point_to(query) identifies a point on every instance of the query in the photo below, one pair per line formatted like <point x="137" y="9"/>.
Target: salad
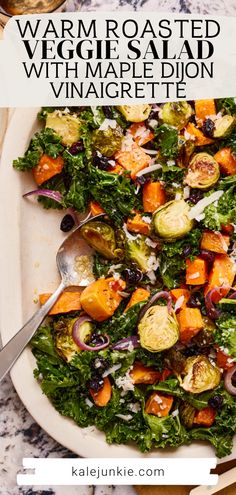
<point x="146" y="352"/>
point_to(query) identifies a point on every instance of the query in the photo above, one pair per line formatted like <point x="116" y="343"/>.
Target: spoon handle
<point x="12" y="350"/>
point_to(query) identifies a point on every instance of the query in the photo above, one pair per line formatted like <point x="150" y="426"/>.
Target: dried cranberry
<point x="96" y="383"/>
<point x="141" y="180"/>
<point x="100" y="365"/>
<point x="208" y="256"/>
<point x="76" y="148"/>
<point x="208" y="127"/>
<point x="216" y="401"/>
<point x="107" y="112"/>
<point x="152" y="117"/>
<point x="67" y="223"/>
<point x="101" y="161"/>
<point x="193" y="301"/>
<point x="195" y="196"/>
<point x="151" y="145"/>
<point x="132" y="275"/>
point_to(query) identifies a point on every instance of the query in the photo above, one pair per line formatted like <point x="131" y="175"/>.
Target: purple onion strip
<point x="228" y="380"/>
<point x="212" y="311"/>
<point x="77" y="337"/>
<point x="48" y="193"/>
<point x="125" y="344"/>
<point x="160" y="295"/>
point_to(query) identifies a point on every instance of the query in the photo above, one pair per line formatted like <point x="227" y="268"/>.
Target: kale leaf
<point x="191" y="240"/>
<point x="225" y="334"/>
<point x="45" y="141"/>
<point x="167" y="140"/>
<point x="222" y="213"/>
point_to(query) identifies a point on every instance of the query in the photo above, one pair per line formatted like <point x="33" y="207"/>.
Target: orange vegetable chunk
<point x="223" y="360"/>
<point x="101" y="298"/>
<point x="222" y="275"/>
<point x="190" y="323"/>
<point x="177" y="293"/>
<point x="159" y="404"/>
<point x="153" y="196"/>
<point x="215" y="241"/>
<point x="138" y="295"/>
<point x="226" y="160"/>
<point x="199" y="138"/>
<point x="95" y="208"/>
<point x="138" y="225"/>
<point x="196" y="271"/>
<point x="205" y="417"/>
<point x="204" y="109"/>
<point x="103" y="396"/>
<point x="144" y="374"/>
<point x="47" y="168"/>
<point x="67" y="301"/>
<point x="141" y="133"/>
<point x="134" y="159"/>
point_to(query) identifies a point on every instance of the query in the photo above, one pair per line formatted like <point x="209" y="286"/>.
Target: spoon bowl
<point x="74" y="261"/>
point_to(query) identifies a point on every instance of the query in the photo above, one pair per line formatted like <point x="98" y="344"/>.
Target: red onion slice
<point x="48" y="193"/>
<point x="233" y="296"/>
<point x="212" y="311"/>
<point x="125" y="344"/>
<point x="228" y="380"/>
<point x="160" y="295"/>
<point x="77" y="336"/>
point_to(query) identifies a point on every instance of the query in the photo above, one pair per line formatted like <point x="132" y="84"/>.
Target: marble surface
<point x="20" y="436"/>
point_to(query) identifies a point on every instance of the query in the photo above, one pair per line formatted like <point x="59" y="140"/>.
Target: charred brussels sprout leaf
<point x="171" y="221"/>
<point x="63" y="340"/>
<point x="187" y="413"/>
<point x="158" y="329"/>
<point x="224" y="126"/>
<point x="135" y="113"/>
<point x="199" y="375"/>
<point x="176" y="114"/>
<point x="137" y="250"/>
<point x="101" y="237"/>
<point x="203" y="171"/>
<point x="107" y="141"/>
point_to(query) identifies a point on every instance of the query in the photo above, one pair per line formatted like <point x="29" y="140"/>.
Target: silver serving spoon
<point x="73" y="247"/>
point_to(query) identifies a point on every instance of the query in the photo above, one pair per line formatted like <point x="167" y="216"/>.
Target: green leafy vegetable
<point x="167" y="141"/>
<point x="225" y="334"/>
<point x="45" y="141"/>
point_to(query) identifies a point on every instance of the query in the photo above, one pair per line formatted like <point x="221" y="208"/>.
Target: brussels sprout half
<point x="200" y="375"/>
<point x="158" y="329"/>
<point x="135" y="113"/>
<point x="101" y="237"/>
<point x="107" y="141"/>
<point x="176" y="113"/>
<point x="171" y="221"/>
<point x="63" y="340"/>
<point x="65" y="125"/>
<point x="203" y="171"/>
<point x="224" y="126"/>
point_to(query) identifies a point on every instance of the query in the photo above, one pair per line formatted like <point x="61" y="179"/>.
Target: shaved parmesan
<point x="108" y="123"/>
<point x="148" y="170"/>
<point x="179" y="303"/>
<point x="111" y="370"/>
<point x="125" y="417"/>
<point x="198" y="209"/>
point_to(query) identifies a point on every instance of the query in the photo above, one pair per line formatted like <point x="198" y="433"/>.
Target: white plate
<point x="30" y="238"/>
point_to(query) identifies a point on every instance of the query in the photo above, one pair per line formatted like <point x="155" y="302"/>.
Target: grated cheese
<point x="194" y="275"/>
<point x="149" y="169"/>
<point x="125" y="417"/>
<point x="108" y="123"/>
<point x="203" y="203"/>
<point x="178" y="303"/>
<point x="150" y="243"/>
<point x="111" y="370"/>
<point x="88" y="402"/>
<point x="125" y="382"/>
